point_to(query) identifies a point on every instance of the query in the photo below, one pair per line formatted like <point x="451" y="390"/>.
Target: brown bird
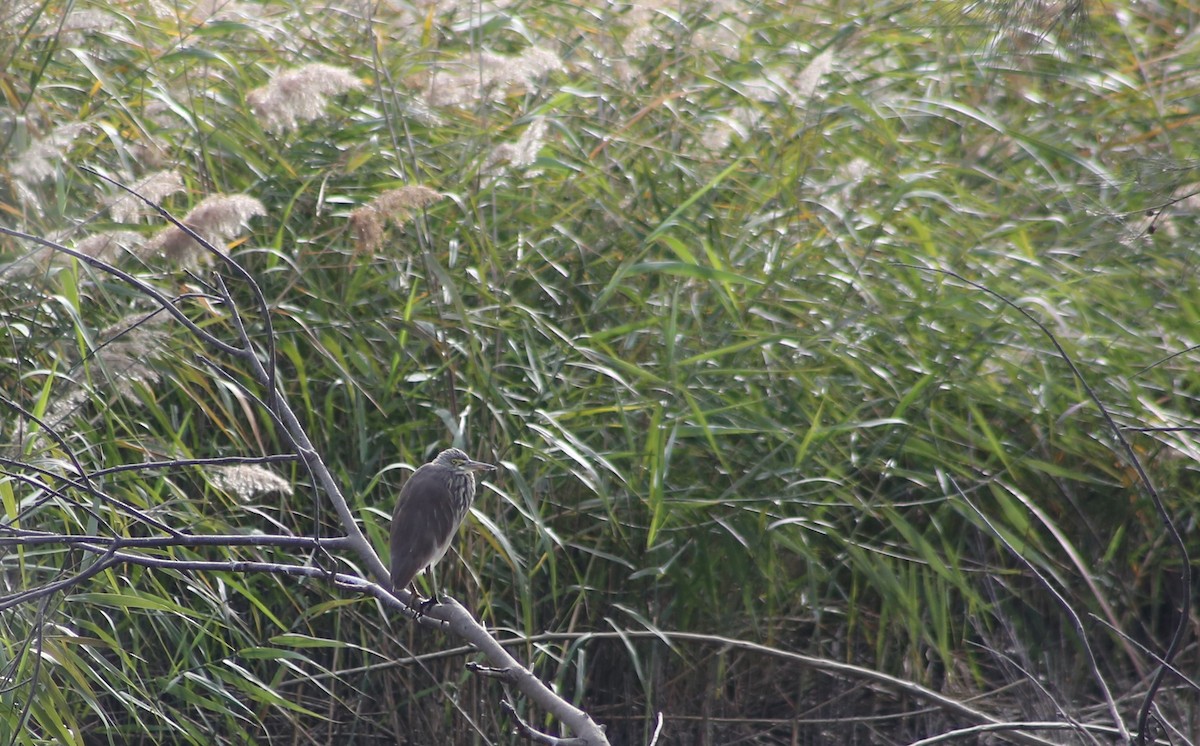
<point x="432" y="505"/>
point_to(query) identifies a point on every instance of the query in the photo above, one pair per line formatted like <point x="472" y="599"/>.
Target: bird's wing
<point x="422" y="526"/>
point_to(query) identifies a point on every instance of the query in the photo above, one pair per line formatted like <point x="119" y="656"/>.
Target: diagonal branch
<point x="262" y="369"/>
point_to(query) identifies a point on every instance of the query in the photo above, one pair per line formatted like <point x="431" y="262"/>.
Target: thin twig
<point x="142" y="286"/>
<point x="965" y="734"/>
<point x="83" y="484"/>
<point x="106" y="560"/>
<point x="230" y="262"/>
<point x="179" y="463"/>
<point x="264" y="372"/>
<point x="525" y="730"/>
<point x="24" y="538"/>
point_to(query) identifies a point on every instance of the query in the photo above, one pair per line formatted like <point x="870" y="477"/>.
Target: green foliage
<point x="683" y="284"/>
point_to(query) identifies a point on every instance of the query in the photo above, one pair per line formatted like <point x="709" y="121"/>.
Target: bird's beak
<point x="479" y="466"/>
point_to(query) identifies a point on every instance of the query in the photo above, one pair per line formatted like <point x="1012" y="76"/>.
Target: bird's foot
<point x="426" y="604"/>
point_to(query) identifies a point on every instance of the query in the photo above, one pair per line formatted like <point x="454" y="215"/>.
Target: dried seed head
<point x="108" y="247"/>
<point x="299" y="95"/>
<point x="523" y="152"/>
<point x="247" y="481"/>
<point x="492" y="74"/>
<point x="216" y="219"/>
<point x="37" y="162"/>
<point x="395" y="206"/>
<point x="154" y="187"/>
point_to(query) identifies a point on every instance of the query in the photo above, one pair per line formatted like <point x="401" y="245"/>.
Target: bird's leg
<point x="424" y="605"/>
<point x="433" y="599"/>
<point x="433" y="586"/>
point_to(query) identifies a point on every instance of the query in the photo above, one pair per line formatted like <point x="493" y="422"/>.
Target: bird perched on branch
<point x="432" y="504"/>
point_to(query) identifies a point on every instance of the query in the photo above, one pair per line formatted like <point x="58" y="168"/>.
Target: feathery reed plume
<point x="490" y="74"/>
<point x="127" y="345"/>
<point x="723" y="36"/>
<point x="247" y="481"/>
<point x="216" y="219"/>
<point x="775" y="86"/>
<point x="154" y="187"/>
<point x="107" y="247"/>
<point x="521" y="153"/>
<point x="299" y="95"/>
<point x="395" y="206"/>
<point x="804" y="85"/>
<point x="845" y="180"/>
<point x="120" y="361"/>
<point x="71" y="30"/>
<point x="209" y="11"/>
<point x="741" y="121"/>
<point x="15" y="14"/>
<point x="38" y="161"/>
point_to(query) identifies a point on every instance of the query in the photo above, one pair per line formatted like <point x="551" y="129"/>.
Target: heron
<point x="432" y="505"/>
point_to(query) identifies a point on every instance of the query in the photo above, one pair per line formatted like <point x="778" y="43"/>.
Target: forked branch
<point x="259" y="361"/>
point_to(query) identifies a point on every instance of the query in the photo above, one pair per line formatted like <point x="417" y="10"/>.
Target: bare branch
<point x="233" y="265"/>
<point x="106" y="560"/>
<point x="658" y="726"/>
<point x="168" y="304"/>
<point x="960" y="734"/>
<point x="12" y="537"/>
<point x="262" y="369"/>
<point x="525" y="730"/>
<point x="85" y="486"/>
<point x="183" y="462"/>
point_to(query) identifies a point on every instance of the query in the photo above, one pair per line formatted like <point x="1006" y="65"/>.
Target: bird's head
<point x="459" y="461"/>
